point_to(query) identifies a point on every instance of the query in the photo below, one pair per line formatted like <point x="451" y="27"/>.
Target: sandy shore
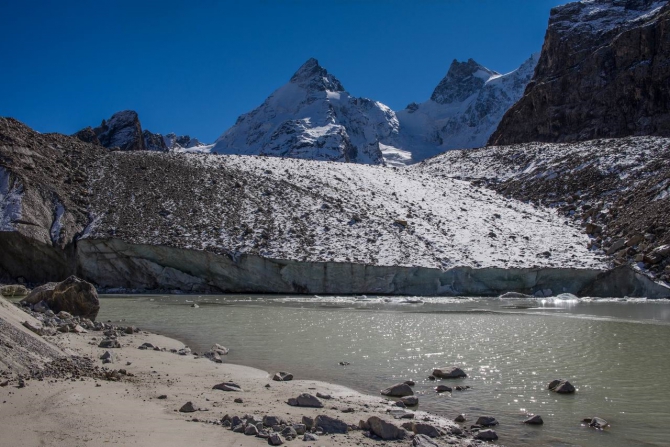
<point x="96" y="412"/>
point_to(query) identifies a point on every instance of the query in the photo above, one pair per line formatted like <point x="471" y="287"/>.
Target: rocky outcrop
<point x="154" y="142"/>
<point x="604" y="71"/>
<point x="123" y="130"/>
<point x="87" y="135"/>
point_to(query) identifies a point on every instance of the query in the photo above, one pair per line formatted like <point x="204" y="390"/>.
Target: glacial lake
<point x="615" y="352"/>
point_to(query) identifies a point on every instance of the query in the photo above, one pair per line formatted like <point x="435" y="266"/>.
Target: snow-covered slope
<point x="463" y="111"/>
<point x="312" y="117"/>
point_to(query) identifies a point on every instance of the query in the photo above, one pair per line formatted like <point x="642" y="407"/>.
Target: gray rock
<point x="146" y="346"/>
<point x="107" y="356"/>
<point x="306" y="400"/>
<point x="227" y="386"/>
<point x="14" y="290"/>
<point x="487" y="435"/>
<point x="410" y="401"/>
<point x="282" y="376"/>
<point x="487" y="421"/>
<point x="239" y="428"/>
<point x="423" y="441"/>
<point x="324" y="396"/>
<point x="330" y="425"/>
<point x="409" y="382"/>
<point x="561" y="386"/>
<point x="289" y="431"/>
<point x="308" y="421"/>
<point x="443" y="389"/>
<point x="188" y="407"/>
<point x="109" y="343"/>
<point x="449" y="372"/>
<point x="41" y="307"/>
<point x="385" y="430"/>
<point x="220" y="350"/>
<point x="270" y="421"/>
<point x="73" y="295"/>
<point x="33" y="327"/>
<point x="398" y="390"/>
<point x="251" y="430"/>
<point x="300" y="428"/>
<point x="599" y="423"/>
<point x="275" y="439"/>
<point x="534" y="420"/>
<point x="460" y="418"/>
<point x="420" y="428"/>
<point x="310" y="437"/>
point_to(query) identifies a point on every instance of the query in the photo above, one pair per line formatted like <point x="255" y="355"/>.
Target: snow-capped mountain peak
<point x="312" y="76"/>
<point x="312" y="117"/>
<point x="462" y="80"/>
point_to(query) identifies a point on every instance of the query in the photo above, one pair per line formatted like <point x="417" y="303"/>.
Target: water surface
<point x="613" y="351"/>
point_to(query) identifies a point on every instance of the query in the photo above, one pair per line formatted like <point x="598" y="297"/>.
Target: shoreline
<point x="82" y="410"/>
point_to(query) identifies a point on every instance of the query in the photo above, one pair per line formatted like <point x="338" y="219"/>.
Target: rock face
<point x="312" y="117"/>
<point x="74" y="296"/>
<point x="145" y="220"/>
<point x="153" y="142"/>
<point x="124" y="131"/>
<point x="464" y="109"/>
<point x="603" y="72"/>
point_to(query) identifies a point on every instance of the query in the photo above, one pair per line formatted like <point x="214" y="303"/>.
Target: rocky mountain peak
<point x="313" y="76"/>
<point x="122" y="130"/>
<point x="462" y="80"/>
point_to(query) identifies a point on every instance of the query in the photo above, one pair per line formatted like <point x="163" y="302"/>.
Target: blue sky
<point x="193" y="67"/>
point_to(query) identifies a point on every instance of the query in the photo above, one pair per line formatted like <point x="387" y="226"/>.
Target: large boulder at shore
<point x="449" y="372"/>
<point x="330" y="425"/>
<point x="74" y="296"/>
<point x="398" y="390"/>
<point x="305" y="400"/>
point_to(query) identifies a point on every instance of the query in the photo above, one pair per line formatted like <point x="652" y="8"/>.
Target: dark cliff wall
<point x="604" y="72"/>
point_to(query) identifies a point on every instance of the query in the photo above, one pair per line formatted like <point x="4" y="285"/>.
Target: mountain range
<point x="314" y="117"/>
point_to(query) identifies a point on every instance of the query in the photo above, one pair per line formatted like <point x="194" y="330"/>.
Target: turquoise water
<point x="615" y="352"/>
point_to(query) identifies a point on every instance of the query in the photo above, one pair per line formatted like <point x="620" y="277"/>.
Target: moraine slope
<point x="206" y="223"/>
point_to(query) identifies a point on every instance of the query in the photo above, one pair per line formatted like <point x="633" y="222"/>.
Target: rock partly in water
<point x="410" y="401"/>
<point x="460" y="418"/>
<point x="534" y="420"/>
<point x="561" y="386"/>
<point x="597" y="422"/>
<point x="449" y="372"/>
<point x="487" y="421"/>
<point x="420" y="428"/>
<point x="443" y="389"/>
<point x="398" y="390"/>
<point x="487" y="435"/>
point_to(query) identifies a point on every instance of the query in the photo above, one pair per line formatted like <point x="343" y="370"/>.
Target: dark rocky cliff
<point x="604" y="71"/>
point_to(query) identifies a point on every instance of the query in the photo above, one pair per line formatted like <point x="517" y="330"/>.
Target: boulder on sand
<point x="73" y="295"/>
<point x="385" y="430"/>
<point x="305" y="400"/>
<point x="330" y="425"/>
<point x="282" y="376"/>
<point x="398" y="390"/>
<point x="227" y="386"/>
